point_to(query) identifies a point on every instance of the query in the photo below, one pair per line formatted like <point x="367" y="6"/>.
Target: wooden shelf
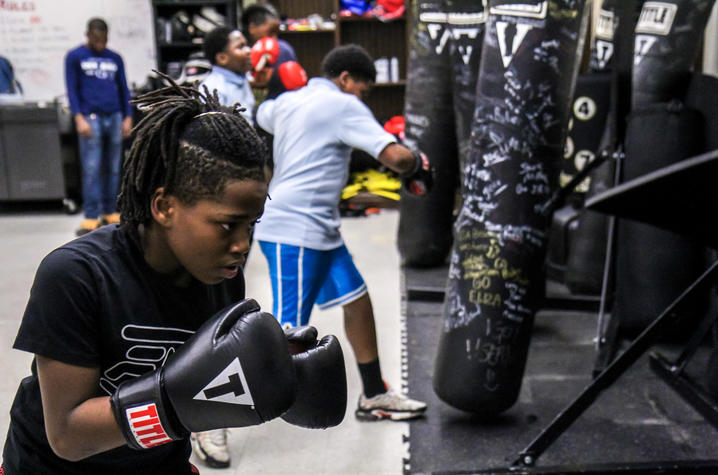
<point x="351" y="19"/>
<point x="400" y="83"/>
<point x="310" y="49"/>
<point x="175" y="52"/>
<point x="297" y="32"/>
<point x="382" y="39"/>
<point x="304" y="8"/>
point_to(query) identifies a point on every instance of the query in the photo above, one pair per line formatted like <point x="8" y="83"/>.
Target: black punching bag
<point x="668" y="39"/>
<point x="587" y="252"/>
<point x="654" y="265"/>
<point x="602" y="43"/>
<point x="529" y="62"/>
<point x="444" y="48"/>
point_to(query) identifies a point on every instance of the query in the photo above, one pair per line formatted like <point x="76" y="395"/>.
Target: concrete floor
<point x="276" y="447"/>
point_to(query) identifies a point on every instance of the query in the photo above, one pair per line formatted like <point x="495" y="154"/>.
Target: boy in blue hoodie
<point x="100" y="103"/>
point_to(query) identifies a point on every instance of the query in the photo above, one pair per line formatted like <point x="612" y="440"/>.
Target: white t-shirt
<point x="315" y="129"/>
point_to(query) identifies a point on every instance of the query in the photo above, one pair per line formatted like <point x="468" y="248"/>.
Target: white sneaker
<point x="211" y="447"/>
<point x="388" y="405"/>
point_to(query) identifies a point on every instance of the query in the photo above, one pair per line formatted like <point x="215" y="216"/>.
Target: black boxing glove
<point x="235" y="371"/>
<point x="420" y="179"/>
<point x="321" y="379"/>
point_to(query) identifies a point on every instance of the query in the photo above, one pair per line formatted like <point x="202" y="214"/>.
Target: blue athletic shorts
<point x="302" y="277"/>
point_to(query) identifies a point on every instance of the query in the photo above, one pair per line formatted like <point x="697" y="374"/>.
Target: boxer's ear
<point x="162" y="207"/>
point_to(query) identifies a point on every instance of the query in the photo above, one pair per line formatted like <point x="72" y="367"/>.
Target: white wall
<point x="35" y="35"/>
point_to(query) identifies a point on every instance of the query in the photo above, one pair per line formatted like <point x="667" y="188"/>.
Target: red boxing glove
<point x="264" y="52"/>
<point x="395" y="126"/>
<point x="292" y="75"/>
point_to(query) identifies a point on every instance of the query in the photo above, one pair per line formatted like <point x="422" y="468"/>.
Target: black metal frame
<point x="606" y="326"/>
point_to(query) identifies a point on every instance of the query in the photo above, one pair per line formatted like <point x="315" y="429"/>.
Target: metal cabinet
<point x="30" y="159"/>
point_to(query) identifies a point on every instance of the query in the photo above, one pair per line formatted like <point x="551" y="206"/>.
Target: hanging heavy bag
<point x="528" y="69"/>
<point x="592" y="98"/>
<point x="445" y="44"/>
<point x="588" y="119"/>
<point x="589" y="111"/>
<point x="611" y="58"/>
<point x="701" y="96"/>
<point x="602" y="42"/>
<point x="585" y="254"/>
<point x="668" y="38"/>
<point x="653" y="265"/>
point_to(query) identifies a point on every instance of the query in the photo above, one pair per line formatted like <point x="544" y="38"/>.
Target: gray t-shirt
<point x="315" y="129"/>
<point x="231" y="88"/>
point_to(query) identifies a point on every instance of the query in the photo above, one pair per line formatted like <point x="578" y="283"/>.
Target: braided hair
<point x="189" y="144"/>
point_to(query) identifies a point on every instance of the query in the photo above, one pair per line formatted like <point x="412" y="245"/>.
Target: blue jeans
<point x="101" y="158"/>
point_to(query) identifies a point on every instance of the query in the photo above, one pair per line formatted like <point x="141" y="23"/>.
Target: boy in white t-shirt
<point x="315" y="129"/>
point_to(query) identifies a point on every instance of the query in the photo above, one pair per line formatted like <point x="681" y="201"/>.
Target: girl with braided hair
<point x="116" y="303"/>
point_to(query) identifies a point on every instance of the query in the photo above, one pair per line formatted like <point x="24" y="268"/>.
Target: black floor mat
<point x="638" y="419"/>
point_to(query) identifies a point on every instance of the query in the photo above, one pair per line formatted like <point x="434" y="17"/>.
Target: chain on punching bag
<point x="444" y="50"/>
<point x="529" y="62"/>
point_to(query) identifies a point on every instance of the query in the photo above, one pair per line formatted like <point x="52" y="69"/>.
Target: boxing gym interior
<point x="553" y="298"/>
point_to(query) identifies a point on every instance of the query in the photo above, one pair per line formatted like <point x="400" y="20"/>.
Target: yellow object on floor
<point x="372" y="181"/>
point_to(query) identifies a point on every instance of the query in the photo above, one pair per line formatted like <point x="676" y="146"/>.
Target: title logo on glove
<point x="229" y="386"/>
<point x="146" y="426"/>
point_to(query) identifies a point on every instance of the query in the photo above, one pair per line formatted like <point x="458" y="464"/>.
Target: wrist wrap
<point x="143" y="414"/>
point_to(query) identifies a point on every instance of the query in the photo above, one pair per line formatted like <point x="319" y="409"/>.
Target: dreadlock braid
<point x="189" y="144"/>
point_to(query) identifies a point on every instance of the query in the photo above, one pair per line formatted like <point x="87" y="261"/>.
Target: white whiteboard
<point x="35" y="35"/>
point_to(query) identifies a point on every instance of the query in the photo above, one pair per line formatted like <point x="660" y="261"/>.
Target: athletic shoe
<point x="388" y="405"/>
<point x="211" y="447"/>
<point x="87" y="225"/>
<point x="112" y="218"/>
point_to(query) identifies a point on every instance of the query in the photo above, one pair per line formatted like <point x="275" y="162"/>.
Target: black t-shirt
<point x="95" y="302"/>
